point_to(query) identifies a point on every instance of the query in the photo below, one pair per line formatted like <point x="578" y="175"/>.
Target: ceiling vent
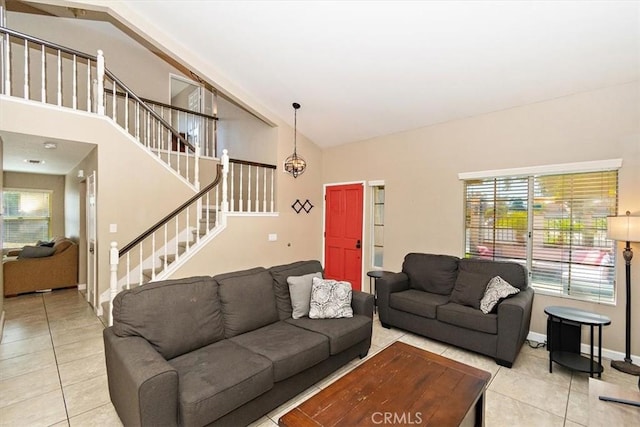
<point x="34" y="161"/>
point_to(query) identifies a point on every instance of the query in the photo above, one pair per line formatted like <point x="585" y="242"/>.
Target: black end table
<point x="373" y="276"/>
<point x="558" y="353"/>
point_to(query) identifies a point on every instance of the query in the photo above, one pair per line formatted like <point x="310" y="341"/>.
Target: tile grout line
<point x="64" y="400"/>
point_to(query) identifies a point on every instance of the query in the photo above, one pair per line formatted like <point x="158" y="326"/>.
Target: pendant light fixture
<point x="294" y="164"/>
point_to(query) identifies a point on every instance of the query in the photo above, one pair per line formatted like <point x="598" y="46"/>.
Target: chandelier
<point x="295" y="164"/>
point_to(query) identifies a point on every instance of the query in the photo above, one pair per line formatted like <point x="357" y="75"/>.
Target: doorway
<point x="343" y="233"/>
<point x="92" y="263"/>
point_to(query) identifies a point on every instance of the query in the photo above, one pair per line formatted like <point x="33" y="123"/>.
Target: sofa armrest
<point x="514" y="319"/>
<point x="385" y="286"/>
<point x="362" y="303"/>
<point x="143" y="386"/>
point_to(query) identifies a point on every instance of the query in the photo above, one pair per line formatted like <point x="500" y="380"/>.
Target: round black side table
<point x="571" y="358"/>
<point x="373" y="276"/>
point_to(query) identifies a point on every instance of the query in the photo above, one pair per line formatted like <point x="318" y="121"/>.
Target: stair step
<point x="148" y="272"/>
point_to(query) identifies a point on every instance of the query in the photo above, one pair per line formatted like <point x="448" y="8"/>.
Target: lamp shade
<point x="625" y="228"/>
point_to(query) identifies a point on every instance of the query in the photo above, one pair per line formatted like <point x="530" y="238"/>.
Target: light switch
<point x="273" y="237"/>
<point x="113" y="228"/>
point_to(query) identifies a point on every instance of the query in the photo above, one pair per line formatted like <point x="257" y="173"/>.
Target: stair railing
<point x="252" y="187"/>
<point x="61" y="76"/>
<point x="171" y="238"/>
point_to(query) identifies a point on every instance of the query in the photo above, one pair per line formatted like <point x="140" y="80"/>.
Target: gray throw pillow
<point x="469" y="288"/>
<point x="330" y="299"/>
<point x="300" y="291"/>
<point x="36" y="252"/>
<point x="497" y="289"/>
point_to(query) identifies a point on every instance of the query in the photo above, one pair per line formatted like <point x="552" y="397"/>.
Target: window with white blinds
<point x="27" y="217"/>
<point x="556" y="225"/>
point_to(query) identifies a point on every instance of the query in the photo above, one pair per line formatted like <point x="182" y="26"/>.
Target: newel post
<point x="100" y="78"/>
<point x="225" y="172"/>
<point x="114" y="258"/>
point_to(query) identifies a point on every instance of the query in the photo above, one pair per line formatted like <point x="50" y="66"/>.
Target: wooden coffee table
<point x="401" y="385"/>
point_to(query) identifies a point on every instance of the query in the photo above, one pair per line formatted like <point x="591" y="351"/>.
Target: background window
<point x="27" y="217"/>
<point x="554" y="224"/>
<point x="377" y="248"/>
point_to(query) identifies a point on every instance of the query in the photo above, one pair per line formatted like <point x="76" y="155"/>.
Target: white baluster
<point x="59" y="78"/>
<point x="26" y="70"/>
<point x="196" y="167"/>
<point x="128" y="273"/>
<point x="166" y="246"/>
<point x="178" y="239"/>
<point x="88" y="84"/>
<point x="257" y="189"/>
<point x="140" y="266"/>
<point x="7" y="66"/>
<point x="43" y="77"/>
<point x="272" y="174"/>
<point x="249" y="189"/>
<point x="113" y="280"/>
<point x="100" y="78"/>
<point x="137" y="121"/>
<point x="187" y="228"/>
<point x="225" y="172"/>
<point x="126" y="111"/>
<point x="114" y="101"/>
<point x="75" y="82"/>
<point x="240" y="194"/>
<point x="153" y="256"/>
<point x="233" y="203"/>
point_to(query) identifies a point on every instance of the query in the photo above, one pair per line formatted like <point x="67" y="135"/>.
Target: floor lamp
<point x="625" y="228"/>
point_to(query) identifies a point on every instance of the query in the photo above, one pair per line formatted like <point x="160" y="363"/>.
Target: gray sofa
<point x="421" y="299"/>
<point x="222" y="350"/>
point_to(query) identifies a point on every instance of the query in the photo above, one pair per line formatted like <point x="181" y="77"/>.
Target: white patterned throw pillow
<point x="497" y="289"/>
<point x="330" y="299"/>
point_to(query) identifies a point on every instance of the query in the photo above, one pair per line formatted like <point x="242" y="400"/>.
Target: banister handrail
<point x="249" y="163"/>
<point x="173" y="213"/>
<point x="47" y="43"/>
<point x="107" y="73"/>
<point x="149" y="109"/>
<point x="173" y="107"/>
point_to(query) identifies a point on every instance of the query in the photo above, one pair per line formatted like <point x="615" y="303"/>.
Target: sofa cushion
<point x="468" y="317"/>
<point x="469" y="288"/>
<point x="281" y="287"/>
<point x="247" y="300"/>
<point x="36" y="252"/>
<point x="300" y="291"/>
<point x="432" y="273"/>
<point x="330" y="299"/>
<point x="342" y="333"/>
<point x="417" y="302"/>
<point x="497" y="289"/>
<point x="175" y="316"/>
<point x="514" y="273"/>
<point x="216" y="379"/>
<point x="290" y="349"/>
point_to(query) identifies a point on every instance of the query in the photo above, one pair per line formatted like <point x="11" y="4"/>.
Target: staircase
<point x="239" y="188"/>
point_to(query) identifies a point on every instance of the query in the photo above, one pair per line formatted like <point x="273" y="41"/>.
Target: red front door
<point x="343" y="234"/>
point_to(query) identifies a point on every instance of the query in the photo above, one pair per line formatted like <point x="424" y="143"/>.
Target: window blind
<point x="27" y="217"/>
<point x="554" y="224"/>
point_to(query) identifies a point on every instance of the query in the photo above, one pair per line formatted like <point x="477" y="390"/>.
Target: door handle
<point x="358" y="245"/>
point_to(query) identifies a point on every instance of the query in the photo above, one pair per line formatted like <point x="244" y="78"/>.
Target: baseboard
<point x="585" y="349"/>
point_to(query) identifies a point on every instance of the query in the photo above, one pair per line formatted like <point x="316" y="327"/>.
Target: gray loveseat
<point x="222" y="350"/>
<point x="421" y="299"/>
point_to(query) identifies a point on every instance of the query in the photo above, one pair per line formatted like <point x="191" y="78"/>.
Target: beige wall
<point x="134" y="190"/>
<point x="424" y="198"/>
<point x="53" y="183"/>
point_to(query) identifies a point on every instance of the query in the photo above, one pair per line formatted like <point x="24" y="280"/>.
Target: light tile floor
<point x="52" y="372"/>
